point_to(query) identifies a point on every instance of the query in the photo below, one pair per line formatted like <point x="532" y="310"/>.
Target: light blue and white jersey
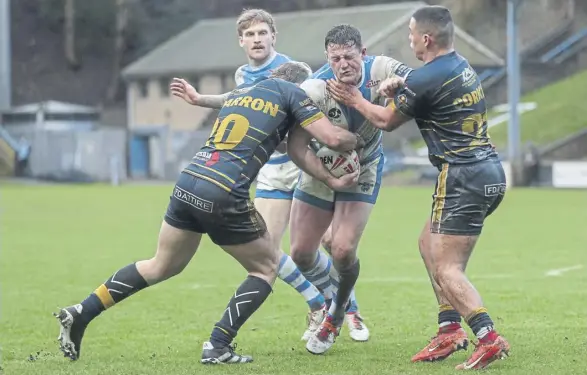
<point x="249" y="74"/>
<point x="375" y="70"/>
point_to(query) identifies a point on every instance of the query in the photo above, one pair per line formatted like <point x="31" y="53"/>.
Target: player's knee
<point x="344" y="255"/>
<point x="267" y="270"/>
<point x="302" y="258"/>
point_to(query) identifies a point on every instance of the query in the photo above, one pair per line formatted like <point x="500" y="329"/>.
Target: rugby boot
<point x="225" y="355"/>
<point x="443" y="345"/>
<point x="324" y="337"/>
<point x="71" y="331"/>
<point x="313" y="321"/>
<point x="357" y="328"/>
<point x="486" y="353"/>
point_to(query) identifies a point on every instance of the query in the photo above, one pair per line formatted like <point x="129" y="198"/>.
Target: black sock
<point x="447" y="314"/>
<point x="247" y="299"/>
<point x="480" y="320"/>
<point x="346" y="281"/>
<point x="124" y="283"/>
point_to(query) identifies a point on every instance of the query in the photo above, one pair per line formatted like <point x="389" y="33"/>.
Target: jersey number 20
<point x="223" y="138"/>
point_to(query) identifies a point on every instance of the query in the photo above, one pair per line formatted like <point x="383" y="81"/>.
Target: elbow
<point x="333" y="142"/>
<point x="383" y="123"/>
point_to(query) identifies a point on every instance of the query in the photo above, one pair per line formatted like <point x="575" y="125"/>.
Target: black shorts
<point x="203" y="207"/>
<point x="465" y="195"/>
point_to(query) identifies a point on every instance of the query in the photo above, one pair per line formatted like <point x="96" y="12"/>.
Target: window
<point x="164" y="86"/>
<point x="143" y="87"/>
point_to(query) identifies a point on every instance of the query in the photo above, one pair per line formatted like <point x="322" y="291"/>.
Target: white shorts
<point x="277" y="179"/>
<point x="316" y="193"/>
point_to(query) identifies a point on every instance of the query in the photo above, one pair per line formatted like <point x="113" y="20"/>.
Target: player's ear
<point x="240" y="41"/>
<point x="426" y="39"/>
<point x="363" y="51"/>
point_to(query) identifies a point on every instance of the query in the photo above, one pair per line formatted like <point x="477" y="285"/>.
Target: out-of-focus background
<point x="87" y="96"/>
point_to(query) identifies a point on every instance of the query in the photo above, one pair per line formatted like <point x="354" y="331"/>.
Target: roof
<point x="383" y="27"/>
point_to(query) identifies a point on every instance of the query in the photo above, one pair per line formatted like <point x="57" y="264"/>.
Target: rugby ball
<point x="339" y="163"/>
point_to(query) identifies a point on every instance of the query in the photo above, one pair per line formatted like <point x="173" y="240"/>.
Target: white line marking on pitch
<point x="560" y="271"/>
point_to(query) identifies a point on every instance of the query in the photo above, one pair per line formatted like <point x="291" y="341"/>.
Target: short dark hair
<point x="292" y="71"/>
<point x="343" y="35"/>
<point x="437" y="21"/>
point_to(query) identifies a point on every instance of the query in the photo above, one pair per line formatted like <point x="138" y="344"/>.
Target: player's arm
<point x="387" y="67"/>
<point x="182" y="89"/>
<point x="299" y="152"/>
<point x="408" y="96"/>
<point x="303" y="103"/>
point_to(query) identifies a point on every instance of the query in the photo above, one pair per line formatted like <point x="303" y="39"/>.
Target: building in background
<point x="207" y="55"/>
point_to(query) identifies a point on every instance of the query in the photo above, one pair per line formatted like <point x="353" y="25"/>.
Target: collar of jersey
<point x="257" y="68"/>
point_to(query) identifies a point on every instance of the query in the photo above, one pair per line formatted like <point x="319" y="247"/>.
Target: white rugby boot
<point x="313" y="321"/>
<point x="324" y="337"/>
<point x="358" y="330"/>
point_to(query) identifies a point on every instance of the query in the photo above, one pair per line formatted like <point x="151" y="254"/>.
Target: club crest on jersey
<point x="334" y="113"/>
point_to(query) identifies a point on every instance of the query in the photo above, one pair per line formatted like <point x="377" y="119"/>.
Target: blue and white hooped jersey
<point x="375" y="70"/>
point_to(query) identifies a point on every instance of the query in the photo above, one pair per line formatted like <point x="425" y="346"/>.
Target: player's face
<point x="258" y="41"/>
<point x="346" y="62"/>
<point x="418" y="41"/>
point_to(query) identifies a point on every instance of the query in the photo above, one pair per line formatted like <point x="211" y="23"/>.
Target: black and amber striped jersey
<point x="446" y="99"/>
<point x="253" y="121"/>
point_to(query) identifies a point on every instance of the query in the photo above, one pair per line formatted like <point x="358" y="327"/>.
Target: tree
<point x="69" y="35"/>
<point x="122" y="18"/>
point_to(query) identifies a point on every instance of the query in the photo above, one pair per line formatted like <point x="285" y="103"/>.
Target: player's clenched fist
<point x="389" y="87"/>
<point x="182" y="89"/>
<point x="344" y="182"/>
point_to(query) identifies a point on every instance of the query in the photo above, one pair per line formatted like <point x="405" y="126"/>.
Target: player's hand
<point x="182" y="89"/>
<point x="341" y="92"/>
<point x="390" y="86"/>
<point x="344" y="182"/>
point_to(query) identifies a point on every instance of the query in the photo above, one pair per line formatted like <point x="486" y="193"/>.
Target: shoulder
<point x="385" y="66"/>
<point x="239" y="74"/>
<point x="281" y="58"/>
<point x="315" y="89"/>
<point x="323" y="73"/>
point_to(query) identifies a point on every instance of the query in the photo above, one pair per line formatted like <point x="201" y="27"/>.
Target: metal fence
<point x="97" y="155"/>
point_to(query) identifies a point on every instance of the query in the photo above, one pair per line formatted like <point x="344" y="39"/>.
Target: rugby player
<point x="317" y="207"/>
<point x="277" y="179"/>
<point x="446" y="99"/>
<point x="212" y="196"/>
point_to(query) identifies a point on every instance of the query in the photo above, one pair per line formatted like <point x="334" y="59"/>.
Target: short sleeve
<point x="412" y="97"/>
<point x="392" y="67"/>
<point x="303" y="109"/>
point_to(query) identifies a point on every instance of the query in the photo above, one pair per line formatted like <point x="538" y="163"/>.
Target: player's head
<point x="431" y="29"/>
<point x="292" y="71"/>
<point x="345" y="52"/>
<point x="256" y="33"/>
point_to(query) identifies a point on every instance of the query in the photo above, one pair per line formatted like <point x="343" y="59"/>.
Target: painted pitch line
<point x="560" y="271"/>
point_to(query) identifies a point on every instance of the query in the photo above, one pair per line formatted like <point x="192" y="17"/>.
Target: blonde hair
<point x="251" y="16"/>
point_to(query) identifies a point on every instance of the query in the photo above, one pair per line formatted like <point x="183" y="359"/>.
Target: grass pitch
<point x="61" y="242"/>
